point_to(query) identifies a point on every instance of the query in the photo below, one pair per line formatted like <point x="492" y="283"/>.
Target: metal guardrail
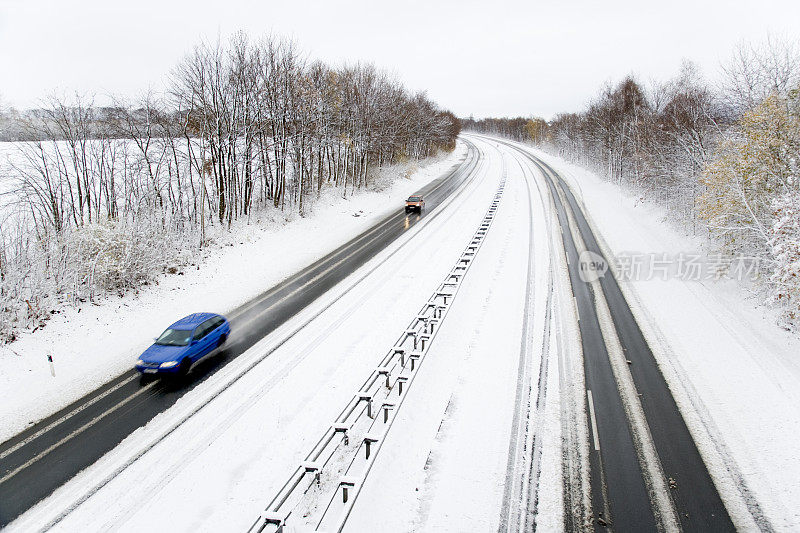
<point x="320" y="493"/>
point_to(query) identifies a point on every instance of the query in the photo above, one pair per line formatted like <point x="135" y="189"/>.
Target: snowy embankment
<point x="94" y="343"/>
<point x="733" y="371"/>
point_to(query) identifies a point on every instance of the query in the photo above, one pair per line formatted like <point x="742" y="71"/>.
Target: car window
<point x="174" y="337"/>
<point x="200" y="331"/>
<point x="211" y="325"/>
<point x="218" y="321"/>
<point x="208" y="326"/>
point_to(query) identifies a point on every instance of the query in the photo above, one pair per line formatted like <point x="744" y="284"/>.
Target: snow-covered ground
<point x="95" y="343"/>
<point x="733" y="371"/>
<point x="222" y="452"/>
<point x="445" y="465"/>
<point x="218" y="470"/>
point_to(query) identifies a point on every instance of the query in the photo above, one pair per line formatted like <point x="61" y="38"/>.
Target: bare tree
<point x="757" y="70"/>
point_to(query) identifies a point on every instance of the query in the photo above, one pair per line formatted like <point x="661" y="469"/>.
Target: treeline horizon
<point x="723" y="160"/>
<point x="99" y="199"/>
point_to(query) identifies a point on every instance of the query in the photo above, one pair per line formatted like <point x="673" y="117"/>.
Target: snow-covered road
<point x="219" y="468"/>
<point x="446" y="464"/>
<point x="495" y="433"/>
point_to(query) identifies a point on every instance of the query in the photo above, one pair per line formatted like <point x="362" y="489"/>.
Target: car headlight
<point x="168" y="364"/>
<point x="140" y="362"/>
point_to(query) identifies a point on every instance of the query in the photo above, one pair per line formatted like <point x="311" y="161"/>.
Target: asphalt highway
<point x="621" y="499"/>
<point x="37" y="461"/>
<point x="694" y="496"/>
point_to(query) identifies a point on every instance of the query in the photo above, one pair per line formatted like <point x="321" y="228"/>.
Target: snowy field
<point x="95" y="343"/>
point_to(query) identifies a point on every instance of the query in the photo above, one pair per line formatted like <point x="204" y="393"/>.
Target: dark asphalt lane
<point x="46" y="455"/>
<point x="619" y="493"/>
<point x="696" y="499"/>
<point x="616" y="481"/>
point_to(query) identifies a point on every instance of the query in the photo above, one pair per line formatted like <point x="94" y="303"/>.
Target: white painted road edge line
<point x="594" y="421"/>
<point x="78" y="431"/>
<point x="75" y="411"/>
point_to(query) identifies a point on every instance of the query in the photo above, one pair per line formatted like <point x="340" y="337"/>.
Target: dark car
<point x="184" y="343"/>
<point x="415" y="203"/>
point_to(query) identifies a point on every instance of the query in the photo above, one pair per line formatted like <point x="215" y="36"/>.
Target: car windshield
<point x="415" y="199"/>
<point x="175" y="337"/>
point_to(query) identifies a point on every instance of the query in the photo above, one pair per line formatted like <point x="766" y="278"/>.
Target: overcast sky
<point x="486" y="58"/>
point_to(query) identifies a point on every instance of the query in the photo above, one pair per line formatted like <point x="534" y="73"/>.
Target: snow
<point x="443" y="465"/>
<point x="734" y="372"/>
<point x="218" y="470"/>
<point x="94" y="343"/>
<point x="215" y="459"/>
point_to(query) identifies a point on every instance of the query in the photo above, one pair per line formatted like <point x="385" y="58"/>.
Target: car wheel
<point x="221" y="341"/>
<point x="184" y="367"/>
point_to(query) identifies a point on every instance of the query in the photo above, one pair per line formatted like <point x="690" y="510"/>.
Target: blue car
<point x="185" y="342"/>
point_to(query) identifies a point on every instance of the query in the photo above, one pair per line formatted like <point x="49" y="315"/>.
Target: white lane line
<point x="75" y="411"/>
<point x="75" y="433"/>
<point x="594" y="421"/>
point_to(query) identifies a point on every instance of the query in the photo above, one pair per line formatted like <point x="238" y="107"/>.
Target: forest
<point x="722" y="158"/>
<point x="103" y="199"/>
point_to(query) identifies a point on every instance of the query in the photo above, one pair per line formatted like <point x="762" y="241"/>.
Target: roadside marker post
<point x="346" y="483"/>
<point x="400" y="381"/>
<point x="369" y="440"/>
<point x="386" y="408"/>
<point x="444" y="295"/>
<point x="413" y="334"/>
<point x="343" y="429"/>
<point x="383" y="371"/>
<point x="399" y="351"/>
<point x="423" y="338"/>
<point x="367" y="398"/>
<point x="313" y="468"/>
<point x="414" y="358"/>
<point x="274" y="519"/>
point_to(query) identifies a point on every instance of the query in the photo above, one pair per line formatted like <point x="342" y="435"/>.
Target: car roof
<point x="192" y="321"/>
